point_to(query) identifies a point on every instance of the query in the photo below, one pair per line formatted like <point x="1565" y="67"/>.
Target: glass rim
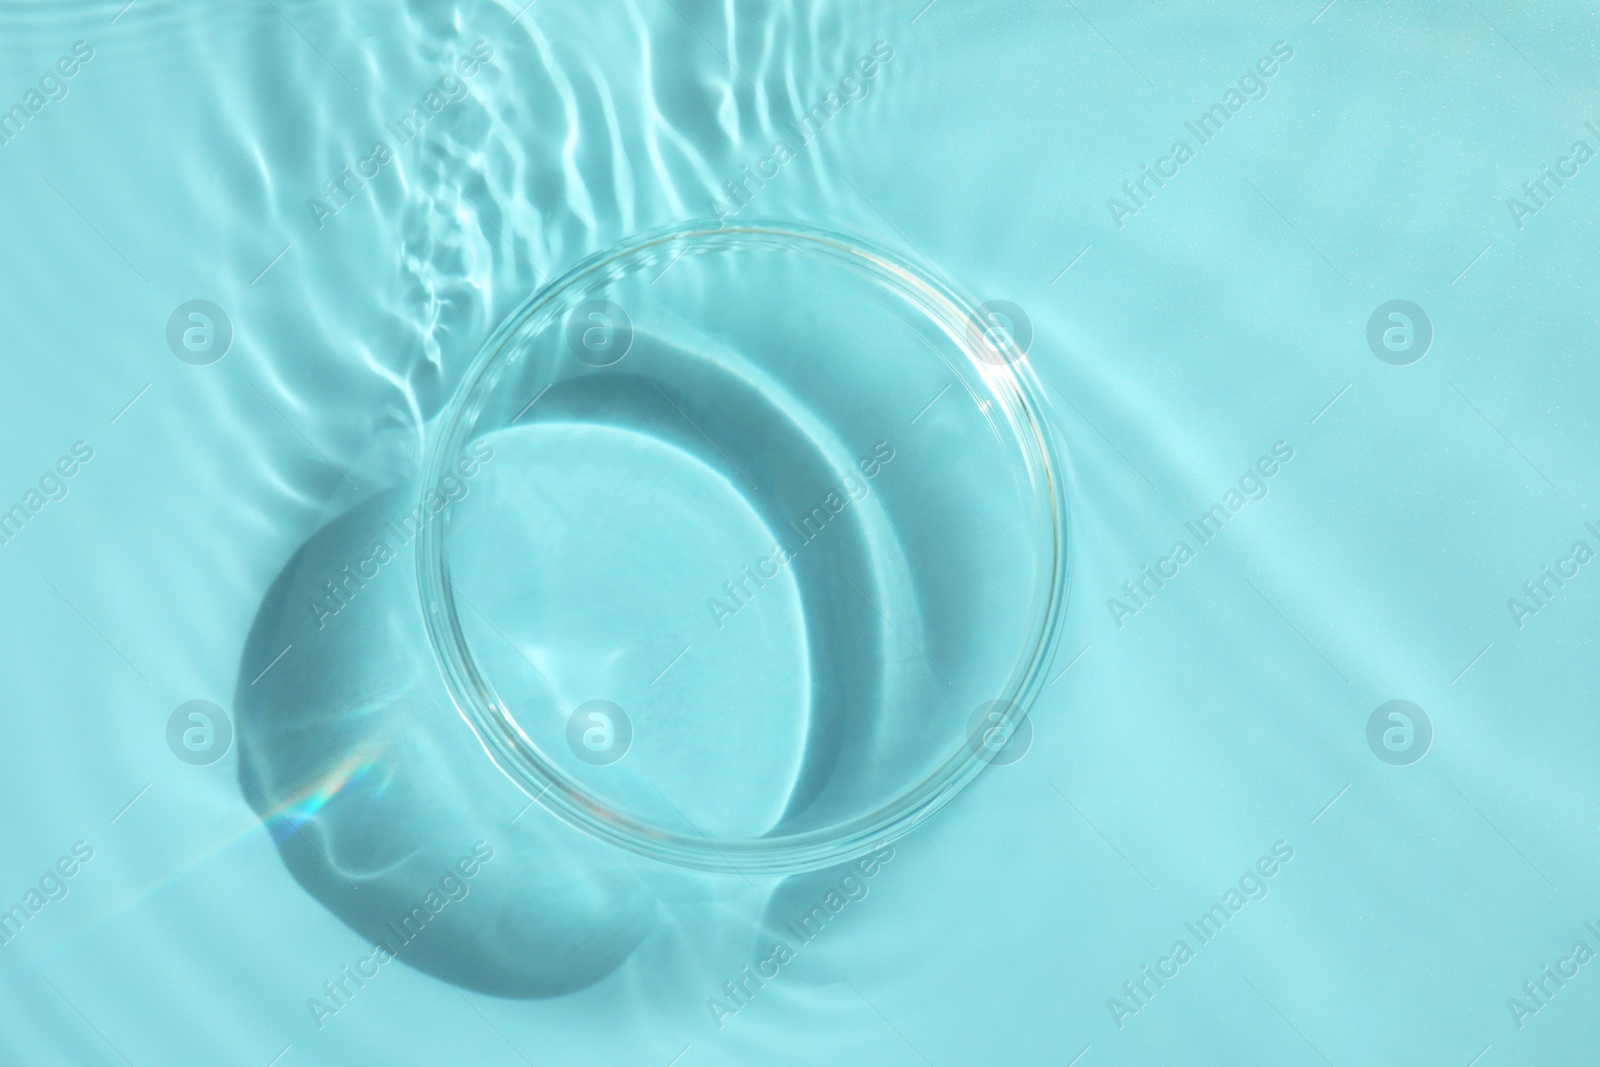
<point x="1008" y="380"/>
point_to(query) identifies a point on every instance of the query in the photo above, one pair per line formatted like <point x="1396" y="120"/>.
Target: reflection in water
<point x="349" y="748"/>
<point x="377" y="796"/>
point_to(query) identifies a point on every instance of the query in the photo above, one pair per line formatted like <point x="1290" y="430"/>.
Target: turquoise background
<point x="1229" y="313"/>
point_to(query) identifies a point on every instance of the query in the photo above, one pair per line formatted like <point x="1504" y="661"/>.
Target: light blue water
<point x="1206" y="740"/>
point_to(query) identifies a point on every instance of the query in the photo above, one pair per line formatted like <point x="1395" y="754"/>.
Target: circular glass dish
<point x="747" y="543"/>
